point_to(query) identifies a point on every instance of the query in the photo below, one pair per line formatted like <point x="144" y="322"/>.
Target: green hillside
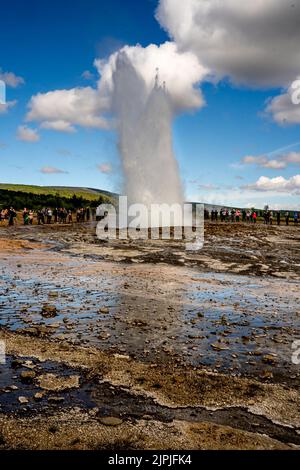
<point x="88" y="194"/>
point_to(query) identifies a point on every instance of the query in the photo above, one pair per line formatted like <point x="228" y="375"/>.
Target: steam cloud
<point x="145" y="137"/>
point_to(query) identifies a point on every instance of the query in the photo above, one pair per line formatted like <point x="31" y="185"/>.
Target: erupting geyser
<point x="150" y="169"/>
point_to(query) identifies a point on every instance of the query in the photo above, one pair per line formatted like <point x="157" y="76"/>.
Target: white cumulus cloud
<point x="27" y="134"/>
<point x="277" y="184"/>
<point x="62" y="109"/>
<point x="11" y="79"/>
<point x="281" y="162"/>
<point x="283" y="108"/>
<point x="51" y="170"/>
<point x="253" y="42"/>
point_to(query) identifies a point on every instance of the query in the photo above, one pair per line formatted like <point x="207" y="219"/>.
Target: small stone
<point x="104" y="335"/>
<point x="49" y="311"/>
<point x="103" y="310"/>
<point x="110" y="421"/>
<point x="38" y="396"/>
<point x="121" y="356"/>
<point x="266" y="374"/>
<point x="23" y="400"/>
<point x="29" y="365"/>
<point x="219" y="347"/>
<point x="13" y="387"/>
<point x="147" y="417"/>
<point x="53" y="294"/>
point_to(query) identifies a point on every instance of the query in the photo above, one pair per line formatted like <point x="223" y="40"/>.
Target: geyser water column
<point x="144" y="121"/>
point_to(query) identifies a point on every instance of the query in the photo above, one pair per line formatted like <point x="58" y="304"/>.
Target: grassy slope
<point x="63" y="191"/>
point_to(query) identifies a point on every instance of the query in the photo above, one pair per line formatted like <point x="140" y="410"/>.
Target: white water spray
<point x="151" y="174"/>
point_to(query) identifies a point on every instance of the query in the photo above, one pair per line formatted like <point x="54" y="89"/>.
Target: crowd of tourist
<point x="250" y="216"/>
<point x="67" y="216"/>
<point x="47" y="215"/>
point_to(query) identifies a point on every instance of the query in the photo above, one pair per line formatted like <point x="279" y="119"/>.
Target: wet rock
<point x="53" y="294"/>
<point x="103" y="310"/>
<point x="55" y="399"/>
<point x="121" y="356"/>
<point x="104" y="335"/>
<point x="219" y="347"/>
<point x="29" y="365"/>
<point x="110" y="421"/>
<point x="49" y="311"/>
<point x="13" y="387"/>
<point x="266" y="375"/>
<point x="27" y="376"/>
<point x="23" y="400"/>
<point x="38" y="396"/>
<point x="269" y="359"/>
<point x="54" y="382"/>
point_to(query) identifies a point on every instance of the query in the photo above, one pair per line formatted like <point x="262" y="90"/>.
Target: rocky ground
<point x="141" y="344"/>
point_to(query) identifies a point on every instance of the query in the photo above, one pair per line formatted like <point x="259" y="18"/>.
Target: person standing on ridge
<point x="278" y="217"/>
<point x="287" y="218"/>
<point x="11" y="216"/>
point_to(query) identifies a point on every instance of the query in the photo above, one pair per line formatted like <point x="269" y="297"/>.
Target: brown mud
<point x="142" y="344"/>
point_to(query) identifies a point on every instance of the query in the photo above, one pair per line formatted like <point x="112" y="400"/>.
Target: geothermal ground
<point x="143" y="345"/>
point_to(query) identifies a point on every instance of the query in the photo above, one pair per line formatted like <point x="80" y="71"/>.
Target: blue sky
<point x="51" y="43"/>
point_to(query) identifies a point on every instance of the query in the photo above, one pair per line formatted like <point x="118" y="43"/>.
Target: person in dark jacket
<point x="11" y="216"/>
<point x="278" y="217"/>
